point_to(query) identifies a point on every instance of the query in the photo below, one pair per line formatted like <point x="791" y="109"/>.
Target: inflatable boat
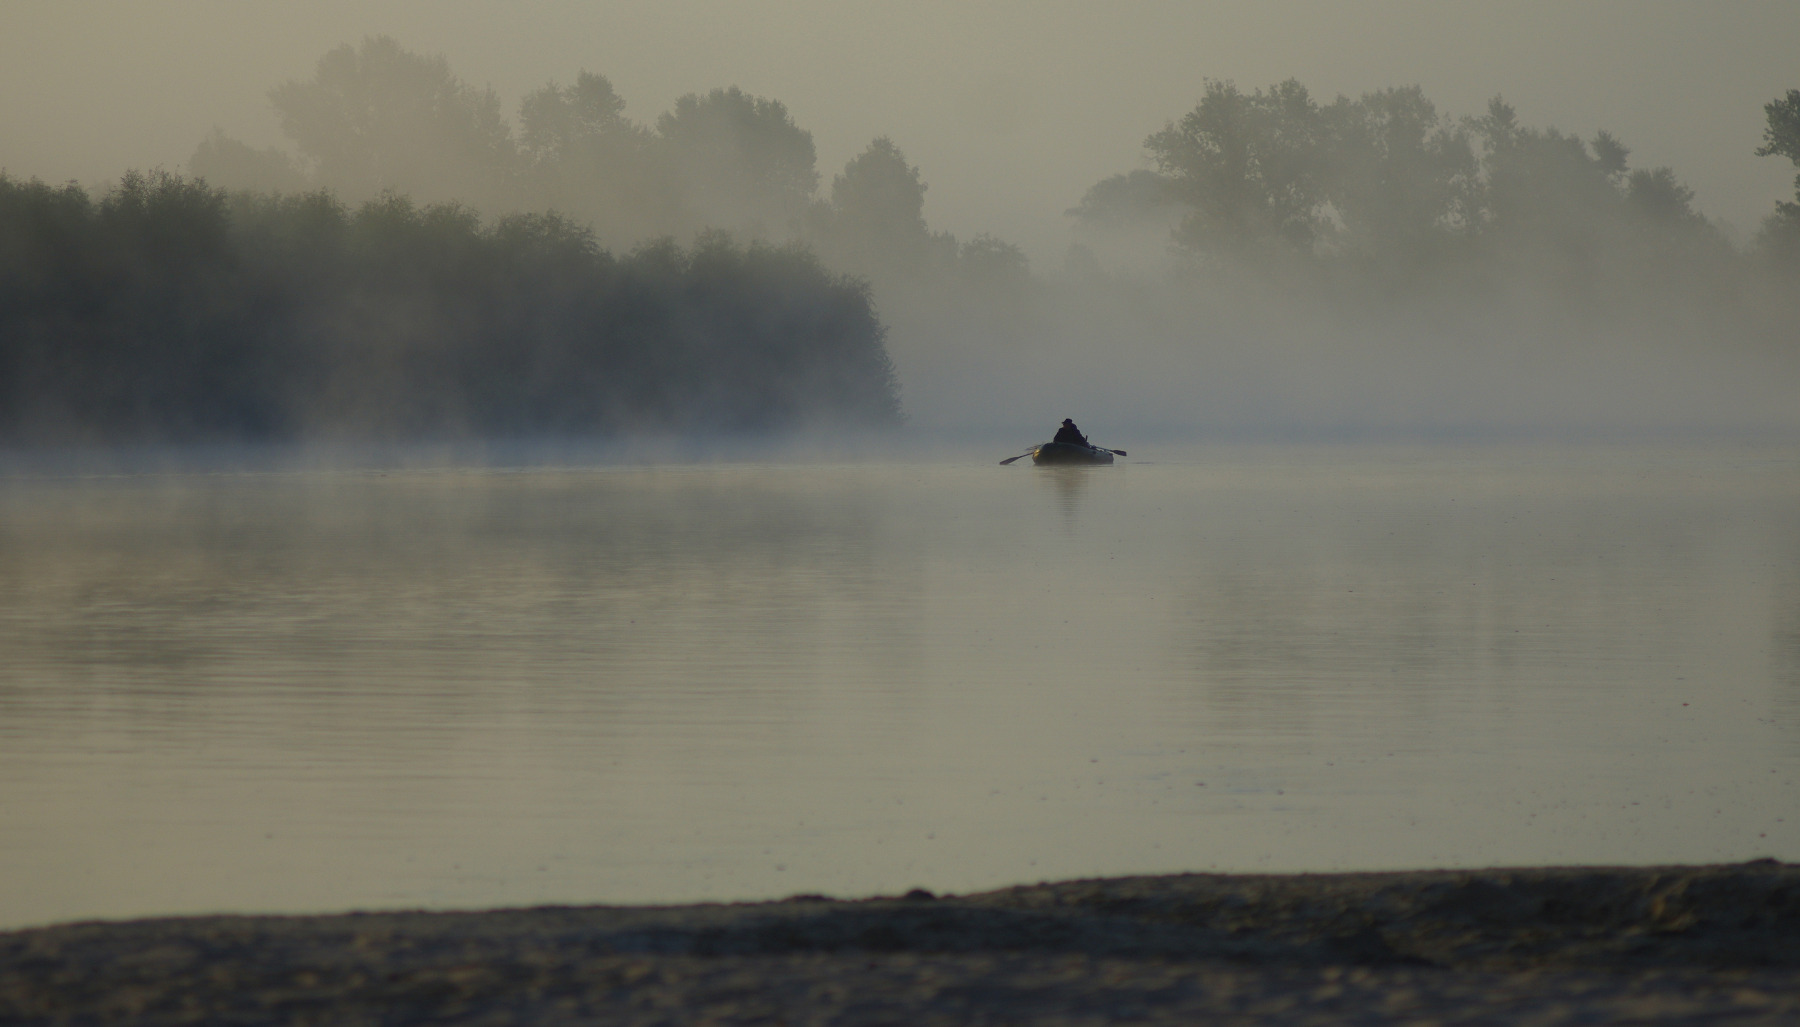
<point x="1069" y="453"/>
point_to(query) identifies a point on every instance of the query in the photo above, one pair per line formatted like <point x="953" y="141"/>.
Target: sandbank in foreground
<point x="1718" y="944"/>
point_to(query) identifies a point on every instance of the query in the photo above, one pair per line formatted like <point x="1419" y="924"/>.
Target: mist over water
<point x="470" y="687"/>
<point x="422" y="262"/>
<point x="432" y="493"/>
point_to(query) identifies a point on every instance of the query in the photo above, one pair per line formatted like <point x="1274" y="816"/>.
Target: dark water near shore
<point x="324" y="690"/>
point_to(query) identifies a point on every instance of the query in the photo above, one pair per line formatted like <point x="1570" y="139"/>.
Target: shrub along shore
<point x="1551" y="945"/>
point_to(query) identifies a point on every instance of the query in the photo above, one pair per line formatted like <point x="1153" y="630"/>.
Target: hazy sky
<point x="1011" y="109"/>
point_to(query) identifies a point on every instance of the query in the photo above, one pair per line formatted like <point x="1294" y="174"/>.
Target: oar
<point x="1114" y="452"/>
<point x="1021" y="456"/>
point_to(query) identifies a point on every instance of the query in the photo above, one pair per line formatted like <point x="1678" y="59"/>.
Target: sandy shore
<point x="1719" y="945"/>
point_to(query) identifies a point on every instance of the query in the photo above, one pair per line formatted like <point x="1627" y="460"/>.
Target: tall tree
<point x="875" y="224"/>
<point x="1400" y="177"/>
<point x="379" y="118"/>
<point x="1250" y="165"/>
<point x="1654" y="196"/>
<point x="1543" y="182"/>
<point x="561" y="121"/>
<point x="1781" y="230"/>
<point x="1782" y="136"/>
<point x="741" y="162"/>
<point x="583" y="156"/>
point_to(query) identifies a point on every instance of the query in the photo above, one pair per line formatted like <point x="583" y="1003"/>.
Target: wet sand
<point x="1718" y="944"/>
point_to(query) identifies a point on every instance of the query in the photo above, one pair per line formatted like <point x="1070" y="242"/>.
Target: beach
<point x="1719" y="944"/>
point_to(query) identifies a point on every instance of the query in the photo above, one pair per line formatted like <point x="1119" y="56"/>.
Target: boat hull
<point x="1051" y="453"/>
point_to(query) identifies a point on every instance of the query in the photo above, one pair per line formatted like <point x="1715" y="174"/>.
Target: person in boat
<point x="1072" y="435"/>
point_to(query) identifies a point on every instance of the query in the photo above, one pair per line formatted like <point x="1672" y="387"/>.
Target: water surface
<point x="453" y="688"/>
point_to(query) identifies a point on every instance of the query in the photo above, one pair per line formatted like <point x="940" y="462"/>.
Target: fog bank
<point x="1013" y="107"/>
<point x="1284" y="257"/>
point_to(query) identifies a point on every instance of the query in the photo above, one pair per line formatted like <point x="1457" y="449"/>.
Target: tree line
<point x="377" y="118"/>
<point x="1383" y="181"/>
<point x="171" y="309"/>
<point x="1383" y="184"/>
<point x="1386" y="182"/>
<point x="349" y="286"/>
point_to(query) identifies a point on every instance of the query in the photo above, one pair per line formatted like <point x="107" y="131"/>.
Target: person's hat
<point x="1068" y="421"/>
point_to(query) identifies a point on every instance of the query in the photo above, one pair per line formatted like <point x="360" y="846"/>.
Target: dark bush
<point x="172" y="311"/>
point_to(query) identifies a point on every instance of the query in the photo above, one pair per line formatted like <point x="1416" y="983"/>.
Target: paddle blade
<point x="1010" y="459"/>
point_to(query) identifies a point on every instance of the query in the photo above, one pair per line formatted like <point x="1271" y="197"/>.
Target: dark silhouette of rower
<point x="1071" y="434"/>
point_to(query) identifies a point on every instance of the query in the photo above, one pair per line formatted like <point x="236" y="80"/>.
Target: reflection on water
<point x="329" y="690"/>
<point x="1068" y="482"/>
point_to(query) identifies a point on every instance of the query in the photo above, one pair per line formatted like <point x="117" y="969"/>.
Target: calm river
<point x="325" y="690"/>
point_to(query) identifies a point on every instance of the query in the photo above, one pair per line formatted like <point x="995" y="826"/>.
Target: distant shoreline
<point x="1646" y="943"/>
